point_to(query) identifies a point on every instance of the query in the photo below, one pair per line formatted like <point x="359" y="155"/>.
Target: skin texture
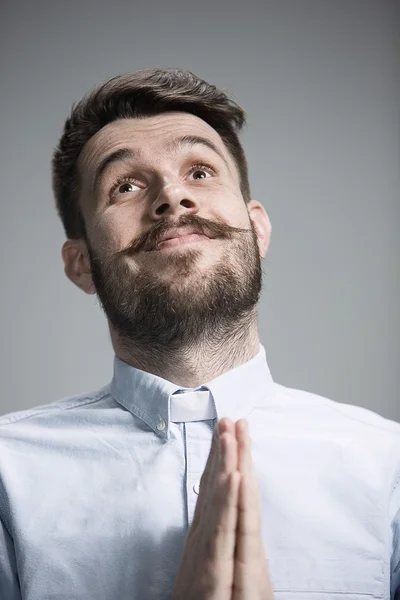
<point x="186" y="313"/>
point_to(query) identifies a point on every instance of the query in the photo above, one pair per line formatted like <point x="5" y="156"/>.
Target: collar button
<point x="161" y="425"/>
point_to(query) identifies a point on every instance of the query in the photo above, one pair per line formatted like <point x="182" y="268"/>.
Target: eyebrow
<point x="121" y="155"/>
<point x="128" y="154"/>
<point x="194" y="140"/>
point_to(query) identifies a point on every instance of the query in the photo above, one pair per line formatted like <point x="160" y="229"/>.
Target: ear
<point x="77" y="266"/>
<point x="262" y="225"/>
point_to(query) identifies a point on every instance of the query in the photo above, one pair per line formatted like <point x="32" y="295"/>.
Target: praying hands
<point x="224" y="556"/>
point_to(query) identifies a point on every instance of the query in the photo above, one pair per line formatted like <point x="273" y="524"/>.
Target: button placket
<point x="198" y="443"/>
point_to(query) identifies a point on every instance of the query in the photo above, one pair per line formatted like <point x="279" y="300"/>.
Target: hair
<point x="145" y="93"/>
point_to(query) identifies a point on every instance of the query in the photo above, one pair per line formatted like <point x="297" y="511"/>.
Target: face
<point x="169" y="176"/>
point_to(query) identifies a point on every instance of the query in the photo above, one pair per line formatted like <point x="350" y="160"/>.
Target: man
<point x="116" y="494"/>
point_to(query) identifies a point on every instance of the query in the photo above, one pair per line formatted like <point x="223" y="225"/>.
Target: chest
<point x="114" y="520"/>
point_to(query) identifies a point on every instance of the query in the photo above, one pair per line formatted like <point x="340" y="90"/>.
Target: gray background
<point x="319" y="82"/>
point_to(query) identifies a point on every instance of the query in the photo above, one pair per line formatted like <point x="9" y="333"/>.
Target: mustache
<point x="147" y="241"/>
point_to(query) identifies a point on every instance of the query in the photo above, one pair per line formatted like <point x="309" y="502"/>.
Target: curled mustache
<point x="147" y="241"/>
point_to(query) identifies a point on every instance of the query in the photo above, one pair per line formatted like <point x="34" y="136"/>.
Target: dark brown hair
<point x="145" y="93"/>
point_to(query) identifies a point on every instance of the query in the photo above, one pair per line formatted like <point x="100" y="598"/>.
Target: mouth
<point x="182" y="240"/>
<point x="176" y="237"/>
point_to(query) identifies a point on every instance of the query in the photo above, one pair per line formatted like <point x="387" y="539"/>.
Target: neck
<point x="194" y="364"/>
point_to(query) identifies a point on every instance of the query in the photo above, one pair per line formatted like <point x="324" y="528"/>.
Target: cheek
<point x="113" y="231"/>
<point x="235" y="212"/>
<point x="227" y="203"/>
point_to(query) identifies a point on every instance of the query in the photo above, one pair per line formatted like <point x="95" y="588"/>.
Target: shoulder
<point x="365" y="439"/>
<point x="332" y="417"/>
<point x="54" y="409"/>
<point x="347" y="415"/>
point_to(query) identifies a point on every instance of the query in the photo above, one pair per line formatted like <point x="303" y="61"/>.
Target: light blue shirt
<point x="97" y="491"/>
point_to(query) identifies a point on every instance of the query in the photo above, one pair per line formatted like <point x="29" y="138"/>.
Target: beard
<point x="152" y="311"/>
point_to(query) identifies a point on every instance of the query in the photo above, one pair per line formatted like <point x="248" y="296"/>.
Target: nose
<point x="174" y="199"/>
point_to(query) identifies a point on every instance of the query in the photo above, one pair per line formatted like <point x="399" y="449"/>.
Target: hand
<point x="251" y="575"/>
<point x="207" y="567"/>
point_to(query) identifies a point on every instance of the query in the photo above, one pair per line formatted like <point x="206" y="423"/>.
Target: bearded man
<point x="192" y="474"/>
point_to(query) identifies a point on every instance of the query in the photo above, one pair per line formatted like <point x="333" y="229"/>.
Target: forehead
<point x="149" y="134"/>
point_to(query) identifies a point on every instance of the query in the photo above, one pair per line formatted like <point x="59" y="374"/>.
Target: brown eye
<point x="199" y="172"/>
<point x="123" y="186"/>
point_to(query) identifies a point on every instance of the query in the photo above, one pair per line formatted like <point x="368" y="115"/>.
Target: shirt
<point x="97" y="491"/>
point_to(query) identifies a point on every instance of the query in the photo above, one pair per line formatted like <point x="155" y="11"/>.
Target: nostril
<point x="187" y="203"/>
<point x="161" y="209"/>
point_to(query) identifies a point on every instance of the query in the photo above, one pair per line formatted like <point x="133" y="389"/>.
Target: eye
<point x="123" y="185"/>
<point x="201" y="171"/>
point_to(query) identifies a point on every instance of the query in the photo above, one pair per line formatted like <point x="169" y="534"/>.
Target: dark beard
<point x="151" y="313"/>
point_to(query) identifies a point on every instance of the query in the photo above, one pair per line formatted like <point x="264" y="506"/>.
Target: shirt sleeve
<point x="9" y="583"/>
<point x="394" y="514"/>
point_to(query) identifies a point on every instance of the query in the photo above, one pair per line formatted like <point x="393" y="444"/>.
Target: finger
<point x="223" y="426"/>
<point x="249" y="522"/>
<point x="226" y="425"/>
<point x="229" y="453"/>
<point x="217" y="505"/>
<point x="226" y="519"/>
<point x="249" y="516"/>
<point x="220" y="469"/>
<point x="244" y="447"/>
<point x="251" y="573"/>
<point x="222" y="459"/>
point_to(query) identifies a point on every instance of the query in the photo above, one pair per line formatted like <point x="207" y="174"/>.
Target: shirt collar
<point x="234" y="393"/>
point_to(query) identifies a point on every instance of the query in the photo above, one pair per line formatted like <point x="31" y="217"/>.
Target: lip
<point x="181" y="240"/>
<point x="180" y="235"/>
